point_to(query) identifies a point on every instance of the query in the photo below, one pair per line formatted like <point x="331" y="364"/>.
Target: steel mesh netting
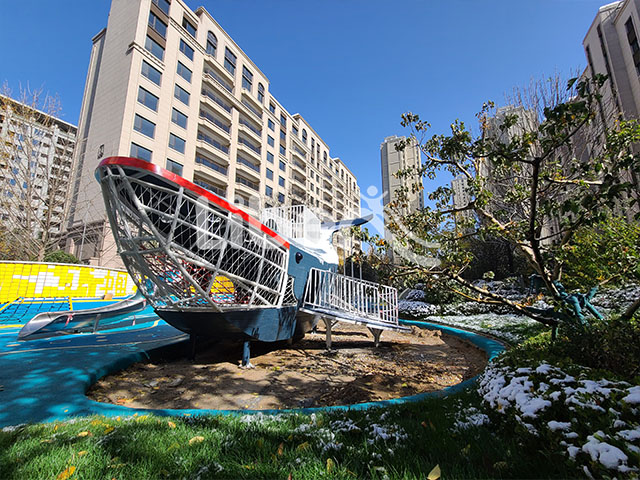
<point x="186" y="252"/>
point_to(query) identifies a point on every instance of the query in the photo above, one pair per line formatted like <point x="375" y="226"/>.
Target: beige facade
<point x="169" y="85"/>
<point x="612" y="47"/>
<point x="393" y="161"/>
<point x="36" y="158"/>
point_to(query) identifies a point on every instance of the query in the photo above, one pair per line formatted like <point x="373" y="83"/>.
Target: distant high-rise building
<point x="393" y="161"/>
<point x="36" y="157"/>
<point x="170" y="86"/>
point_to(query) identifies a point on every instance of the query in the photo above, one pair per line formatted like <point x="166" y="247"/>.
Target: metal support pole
<point x="246" y="355"/>
<point x="376" y="336"/>
<point x="328" y="325"/>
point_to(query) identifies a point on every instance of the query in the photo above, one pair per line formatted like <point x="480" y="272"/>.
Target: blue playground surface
<point x="45" y="380"/>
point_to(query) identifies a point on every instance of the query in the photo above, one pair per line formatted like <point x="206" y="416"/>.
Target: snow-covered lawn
<point x="595" y="423"/>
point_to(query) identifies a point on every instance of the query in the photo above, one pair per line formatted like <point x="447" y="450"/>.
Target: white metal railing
<point x="295" y="221"/>
<point x="331" y="291"/>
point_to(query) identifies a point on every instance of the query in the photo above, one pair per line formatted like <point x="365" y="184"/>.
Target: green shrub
<point x="60" y="256"/>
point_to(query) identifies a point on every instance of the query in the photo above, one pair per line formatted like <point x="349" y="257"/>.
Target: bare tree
<point x="36" y="152"/>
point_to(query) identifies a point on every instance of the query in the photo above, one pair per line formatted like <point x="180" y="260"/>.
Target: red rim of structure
<point x="183" y="182"/>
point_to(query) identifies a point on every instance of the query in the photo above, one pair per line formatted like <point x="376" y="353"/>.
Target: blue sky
<point x="350" y="67"/>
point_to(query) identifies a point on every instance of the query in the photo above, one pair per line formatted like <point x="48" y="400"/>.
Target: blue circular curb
<point x="491" y="347"/>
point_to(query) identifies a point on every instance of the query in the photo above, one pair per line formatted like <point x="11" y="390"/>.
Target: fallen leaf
<point x="424" y="424"/>
<point x="303" y="446"/>
<point x="280" y="449"/>
<point x="196" y="439"/>
<point x="171" y="424"/>
<point x="82" y="453"/>
<point x="66" y="473"/>
<point x="85" y="434"/>
<point x="109" y="430"/>
<point x="330" y="465"/>
<point x="434" y="474"/>
<point x="260" y="443"/>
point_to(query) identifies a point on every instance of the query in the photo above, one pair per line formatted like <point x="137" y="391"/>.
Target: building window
<point x="268" y="191"/>
<point x="140" y="152"/>
<point x="188" y="26"/>
<point x="294" y="129"/>
<point x="281" y="197"/>
<point x="283" y="135"/>
<point x="184" y="72"/>
<point x="270" y="140"/>
<point x="260" y="93"/>
<point x="174" y="167"/>
<point x="163" y="5"/>
<point x="155" y="48"/>
<point x="269" y="157"/>
<point x="151" y="73"/>
<point x="304" y="136"/>
<point x="281" y="181"/>
<point x="283" y="150"/>
<point x="324" y="156"/>
<point x="212" y="44"/>
<point x="158" y="25"/>
<point x="144" y="126"/>
<point x="269" y="174"/>
<point x="283" y="166"/>
<point x="179" y="118"/>
<point x="247" y="79"/>
<point x="271" y="124"/>
<point x="186" y="49"/>
<point x="283" y="120"/>
<point x="632" y="38"/>
<point x="176" y="143"/>
<point x="230" y="61"/>
<point x="272" y="108"/>
<point x="148" y="99"/>
<point x="181" y="94"/>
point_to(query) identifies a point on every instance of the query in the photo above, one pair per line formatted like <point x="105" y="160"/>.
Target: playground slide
<point x="130" y="311"/>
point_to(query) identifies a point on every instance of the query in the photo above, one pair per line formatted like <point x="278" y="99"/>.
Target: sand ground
<point x="304" y="374"/>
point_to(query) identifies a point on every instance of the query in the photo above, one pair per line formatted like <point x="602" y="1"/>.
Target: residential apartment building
<point x="170" y="86"/>
<point x="393" y="161"/>
<point x="612" y="47"/>
<point x="36" y="155"/>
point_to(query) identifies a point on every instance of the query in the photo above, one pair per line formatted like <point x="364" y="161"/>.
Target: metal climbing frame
<point x="187" y="248"/>
<point x="345" y="297"/>
<point x="296" y="221"/>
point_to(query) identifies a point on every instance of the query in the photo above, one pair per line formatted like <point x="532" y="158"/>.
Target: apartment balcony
<point x="247" y="147"/>
<point x="298" y="194"/>
<point x="297" y="149"/>
<point x="209" y="143"/>
<point x="215" y="123"/>
<point x="214" y="100"/>
<point x="252" y="130"/>
<point x="218" y="76"/>
<point x="248" y="166"/>
<point x="299" y="180"/>
<point x="219" y="190"/>
<point x="327" y="186"/>
<point x="251" y="103"/>
<point x="221" y="74"/>
<point x="215" y="169"/>
<point x="300" y="167"/>
<point x="247" y="184"/>
<point x="327" y="197"/>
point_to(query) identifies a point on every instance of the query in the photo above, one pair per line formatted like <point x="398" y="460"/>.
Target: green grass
<point x="230" y="447"/>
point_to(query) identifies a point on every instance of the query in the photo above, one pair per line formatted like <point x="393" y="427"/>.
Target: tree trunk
<point x="628" y="314"/>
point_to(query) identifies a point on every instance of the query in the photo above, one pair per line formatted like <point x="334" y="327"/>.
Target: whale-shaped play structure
<point x="211" y="270"/>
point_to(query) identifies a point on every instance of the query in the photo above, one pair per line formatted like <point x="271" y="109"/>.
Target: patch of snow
<point x="608" y="455"/>
<point x="634" y="395"/>
<point x="630" y="435"/>
<point x="555" y="426"/>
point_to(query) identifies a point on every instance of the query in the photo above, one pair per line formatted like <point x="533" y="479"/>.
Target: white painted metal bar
<point x="332" y="292"/>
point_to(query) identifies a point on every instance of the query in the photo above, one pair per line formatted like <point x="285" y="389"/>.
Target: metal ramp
<point x="339" y="298"/>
